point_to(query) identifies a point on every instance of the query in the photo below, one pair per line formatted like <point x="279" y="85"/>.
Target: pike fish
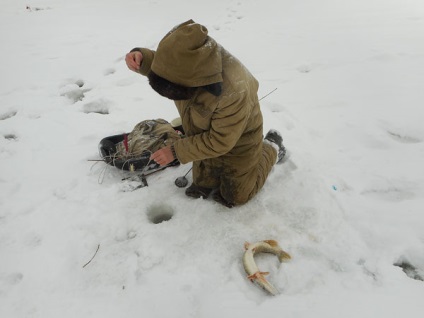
<point x="252" y="270"/>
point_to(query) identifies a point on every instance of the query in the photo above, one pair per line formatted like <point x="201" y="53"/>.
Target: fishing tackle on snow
<point x="182" y="181"/>
<point x="132" y="151"/>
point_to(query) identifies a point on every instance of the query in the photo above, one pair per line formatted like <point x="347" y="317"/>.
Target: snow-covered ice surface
<point x="347" y="204"/>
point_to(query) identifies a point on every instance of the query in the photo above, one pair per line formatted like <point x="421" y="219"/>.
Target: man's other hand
<point x="133" y="60"/>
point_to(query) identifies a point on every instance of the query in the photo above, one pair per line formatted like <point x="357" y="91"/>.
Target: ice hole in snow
<point x="410" y="270"/>
<point x="159" y="213"/>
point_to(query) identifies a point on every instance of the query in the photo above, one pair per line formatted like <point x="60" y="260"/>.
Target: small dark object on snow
<point x="181" y="182"/>
<point x="410" y="270"/>
<point x="98" y="247"/>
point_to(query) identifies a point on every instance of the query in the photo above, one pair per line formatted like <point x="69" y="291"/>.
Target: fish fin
<point x="273" y="243"/>
<point x="283" y="256"/>
<point x="257" y="275"/>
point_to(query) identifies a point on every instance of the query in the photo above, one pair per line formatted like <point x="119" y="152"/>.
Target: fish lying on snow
<point x="252" y="270"/>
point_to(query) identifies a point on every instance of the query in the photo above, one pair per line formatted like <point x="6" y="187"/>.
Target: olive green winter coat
<point x="224" y="134"/>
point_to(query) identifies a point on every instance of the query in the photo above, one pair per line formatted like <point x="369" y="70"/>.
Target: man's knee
<point x="235" y="195"/>
<point x="204" y="176"/>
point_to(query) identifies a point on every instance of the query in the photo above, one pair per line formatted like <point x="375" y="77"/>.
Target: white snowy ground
<point x="347" y="205"/>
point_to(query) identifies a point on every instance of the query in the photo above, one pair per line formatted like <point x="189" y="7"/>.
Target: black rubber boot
<point x="275" y="137"/>
<point x="195" y="191"/>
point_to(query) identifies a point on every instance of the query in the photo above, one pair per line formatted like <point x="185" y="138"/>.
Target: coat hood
<point x="188" y="56"/>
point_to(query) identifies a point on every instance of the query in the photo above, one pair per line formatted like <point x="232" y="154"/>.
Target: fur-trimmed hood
<point x="178" y="92"/>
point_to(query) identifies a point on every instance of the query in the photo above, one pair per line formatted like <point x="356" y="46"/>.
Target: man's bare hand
<point x="163" y="156"/>
<point x="133" y="60"/>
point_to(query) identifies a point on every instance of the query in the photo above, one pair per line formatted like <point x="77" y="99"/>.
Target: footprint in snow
<point x="402" y="138"/>
<point x="402" y="133"/>
<point x="8" y="115"/>
<point x="232" y="15"/>
<point x="411" y="269"/>
<point x="109" y="71"/>
<point x="305" y="68"/>
<point x="11" y="279"/>
<point x="74" y="91"/>
<point x="100" y="106"/>
<point x="12" y="137"/>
